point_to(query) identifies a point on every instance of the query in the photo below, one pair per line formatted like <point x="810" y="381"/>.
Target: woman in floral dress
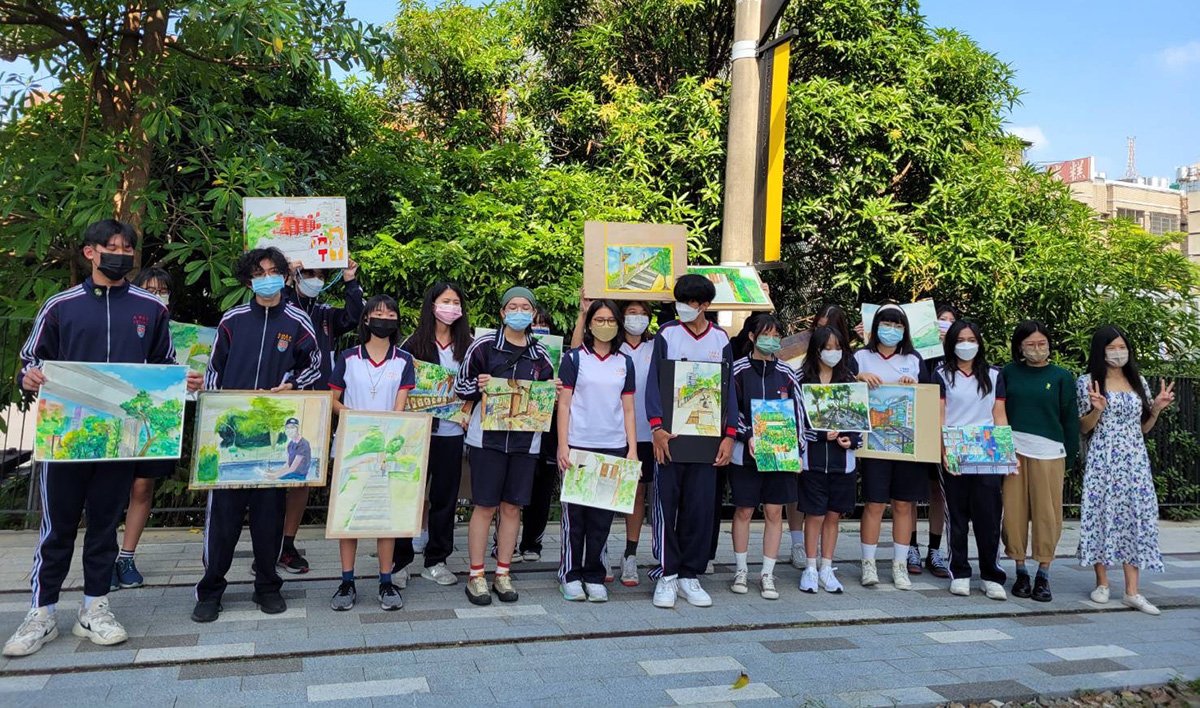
<point x="1120" y="510"/>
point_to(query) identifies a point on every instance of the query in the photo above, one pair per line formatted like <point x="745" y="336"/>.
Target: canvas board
<point x="242" y="440"/>
<point x="905" y="424"/>
<point x="627" y="261"/>
<point x="601" y="481"/>
<point x="738" y="287"/>
<point x="98" y="411"/>
<point x="776" y="435"/>
<point x="841" y="407"/>
<point x="311" y="230"/>
<point x="379" y="470"/>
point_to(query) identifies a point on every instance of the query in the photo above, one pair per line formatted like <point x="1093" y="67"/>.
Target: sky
<point x="1094" y="72"/>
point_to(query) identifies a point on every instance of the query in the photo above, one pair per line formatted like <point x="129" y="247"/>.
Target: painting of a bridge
<point x="98" y="411"/>
<point x="518" y="406"/>
<point x="640" y="269"/>
<point x="434" y="394"/>
<point x="632" y="261"/>
<point x="311" y="230"/>
<point x="697" y="399"/>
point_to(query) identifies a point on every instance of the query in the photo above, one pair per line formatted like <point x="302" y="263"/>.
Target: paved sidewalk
<point x="869" y="646"/>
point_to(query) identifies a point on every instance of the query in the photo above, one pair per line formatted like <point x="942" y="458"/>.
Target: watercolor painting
<point x="261" y="439"/>
<point x="980" y="449"/>
<point x="311" y="230"/>
<point x="905" y="423"/>
<point x="738" y="287"/>
<point x="518" y="406"/>
<point x="841" y="407"/>
<point x="639" y="269"/>
<point x="193" y="344"/>
<point x="696" y="399"/>
<point x="922" y="323"/>
<point x="98" y="411"/>
<point x="378" y="488"/>
<point x="776" y="435"/>
<point x="434" y="394"/>
<point x="629" y="261"/>
<point x="601" y="481"/>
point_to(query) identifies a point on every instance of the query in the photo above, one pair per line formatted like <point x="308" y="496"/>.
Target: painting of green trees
<point x="193" y="344"/>
<point x="842" y="407"/>
<point x="776" y="435"/>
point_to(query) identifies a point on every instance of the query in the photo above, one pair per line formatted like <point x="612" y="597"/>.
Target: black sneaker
<point x="1021" y="587"/>
<point x="270" y="602"/>
<point x="390" y="599"/>
<point x="206" y="611"/>
<point x="1041" y="590"/>
<point x="291" y="561"/>
<point x="344" y="598"/>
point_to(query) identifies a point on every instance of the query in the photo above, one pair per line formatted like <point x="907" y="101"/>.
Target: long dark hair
<point x="811" y="368"/>
<point x="1024" y="331"/>
<point x="834" y="317"/>
<point x="980" y="368"/>
<point x="765" y="322"/>
<point x="376" y="302"/>
<point x="894" y="315"/>
<point x="423" y="342"/>
<point x="1098" y="367"/>
<point x="589" y="340"/>
<point x="740" y="343"/>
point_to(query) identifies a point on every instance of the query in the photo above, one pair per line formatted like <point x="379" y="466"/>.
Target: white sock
<point x="868" y="551"/>
<point x="740" y="559"/>
<point x="768" y="566"/>
<point x="50" y="608"/>
<point x="87" y="602"/>
<point x="826" y="563"/>
<point x="810" y="563"/>
<point x="899" y="552"/>
<point x="798" y="537"/>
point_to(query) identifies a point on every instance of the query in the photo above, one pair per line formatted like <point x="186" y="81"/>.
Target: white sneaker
<point x="691" y="591"/>
<point x="870" y="574"/>
<point x="573" y="591"/>
<point x="421" y="541"/>
<point x="960" y="586"/>
<point x="900" y="575"/>
<point x="39" y="628"/>
<point x="740" y="584"/>
<point x="98" y="624"/>
<point x="439" y="574"/>
<point x="596" y="592"/>
<point x="629" y="572"/>
<point x="1100" y="594"/>
<point x="767" y="585"/>
<point x="400" y="579"/>
<point x="666" y="591"/>
<point x="798" y="557"/>
<point x="994" y="591"/>
<point x="808" y="581"/>
<point x="1140" y="603"/>
<point x="829" y="581"/>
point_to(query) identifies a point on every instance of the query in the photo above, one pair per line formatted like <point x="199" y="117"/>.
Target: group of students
<point x="609" y="403"/>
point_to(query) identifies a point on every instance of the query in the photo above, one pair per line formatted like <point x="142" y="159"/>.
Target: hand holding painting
<point x="33" y="379"/>
<point x="194" y="381"/>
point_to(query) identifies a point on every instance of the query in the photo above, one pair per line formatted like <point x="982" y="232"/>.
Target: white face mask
<point x="831" y="357"/>
<point x="164" y="299"/>
<point x="637" y="324"/>
<point x="966" y="351"/>
<point x="1117" y="358"/>
<point x="310" y="287"/>
<point x="685" y="312"/>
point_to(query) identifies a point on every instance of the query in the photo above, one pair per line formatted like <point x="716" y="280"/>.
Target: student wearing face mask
<point x="595" y="414"/>
<point x="827" y="485"/>
<point x="760" y="376"/>
<point x="103" y="319"/>
<point x="1042" y="410"/>
<point x="1119" y="511"/>
<point x="889" y="358"/>
<point x="305" y="286"/>
<point x="972" y="394"/>
<point x="635" y="344"/>
<point x="265" y="344"/>
<point x="502" y="463"/>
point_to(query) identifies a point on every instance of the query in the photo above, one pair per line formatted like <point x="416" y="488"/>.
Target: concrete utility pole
<point x="737" y="226"/>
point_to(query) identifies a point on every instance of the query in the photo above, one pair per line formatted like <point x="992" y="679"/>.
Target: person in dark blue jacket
<point x="266" y="344"/>
<point x="330" y="323"/>
<point x="103" y="319"/>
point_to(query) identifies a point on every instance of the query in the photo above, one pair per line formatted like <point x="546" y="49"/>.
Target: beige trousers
<point x="1034" y="496"/>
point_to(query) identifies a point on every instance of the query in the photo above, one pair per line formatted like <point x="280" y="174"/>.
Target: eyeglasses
<point x="158" y="291"/>
<point x="1036" y="347"/>
<point x="604" y="321"/>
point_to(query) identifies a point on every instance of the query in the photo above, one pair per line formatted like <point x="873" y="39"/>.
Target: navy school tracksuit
<point x="257" y="348"/>
<point x="89" y="323"/>
<point x="757" y="379"/>
<point x="329" y="324"/>
<point x="685" y="493"/>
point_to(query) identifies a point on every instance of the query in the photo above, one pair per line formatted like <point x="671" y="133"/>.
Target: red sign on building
<point x="1078" y="170"/>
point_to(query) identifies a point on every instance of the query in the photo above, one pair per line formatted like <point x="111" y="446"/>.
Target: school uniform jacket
<point x="675" y="341"/>
<point x="263" y="347"/>
<point x="329" y="324"/>
<point x="94" y="323"/>
<point x="762" y="380"/>
<point x="492" y="354"/>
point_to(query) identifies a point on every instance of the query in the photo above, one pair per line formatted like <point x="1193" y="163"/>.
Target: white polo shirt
<point x="598" y="387"/>
<point x="964" y="405"/>
<point x="890" y="369"/>
<point x="368" y="385"/>
<point x="640" y="356"/>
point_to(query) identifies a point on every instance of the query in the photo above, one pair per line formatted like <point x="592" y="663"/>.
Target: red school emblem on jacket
<point x="140" y="322"/>
<point x="282" y="342"/>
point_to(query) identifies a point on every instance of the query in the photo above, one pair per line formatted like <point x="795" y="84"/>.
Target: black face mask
<point x="382" y="328"/>
<point x="115" y="266"/>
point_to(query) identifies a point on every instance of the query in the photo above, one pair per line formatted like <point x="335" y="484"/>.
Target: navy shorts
<point x="749" y="487"/>
<point x="645" y="452"/>
<point x="825" y="492"/>
<point x="501" y="477"/>
<point x="154" y="469"/>
<point x="885" y="480"/>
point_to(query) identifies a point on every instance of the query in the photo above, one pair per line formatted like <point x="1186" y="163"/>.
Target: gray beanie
<point x="518" y="291"/>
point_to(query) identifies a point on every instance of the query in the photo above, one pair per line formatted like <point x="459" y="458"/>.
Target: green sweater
<point x="1040" y="400"/>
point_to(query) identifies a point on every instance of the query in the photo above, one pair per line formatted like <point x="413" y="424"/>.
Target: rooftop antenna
<point x="1131" y="173"/>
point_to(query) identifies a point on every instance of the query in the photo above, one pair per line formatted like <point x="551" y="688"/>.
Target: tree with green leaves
<point x="161" y="422"/>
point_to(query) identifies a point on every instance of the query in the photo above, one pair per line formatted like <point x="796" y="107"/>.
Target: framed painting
<point x="601" y="481"/>
<point x="88" y="412"/>
<point x="552" y="342"/>
<point x="378" y="488"/>
<point x="738" y="287"/>
<point x="311" y="230"/>
<point x="261" y="439"/>
<point x="922" y="325"/>
<point x="518" y="406"/>
<point x="193" y="345"/>
<point x="434" y="394"/>
<point x="776" y="435"/>
<point x="905" y="423"/>
<point x="693" y="399"/>
<point x="632" y="261"/>
<point x="841" y="407"/>
<point x="980" y="449"/>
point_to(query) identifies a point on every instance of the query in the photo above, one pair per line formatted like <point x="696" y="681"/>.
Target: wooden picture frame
<point x="627" y="261"/>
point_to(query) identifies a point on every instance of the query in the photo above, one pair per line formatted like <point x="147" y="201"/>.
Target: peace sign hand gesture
<point x="1165" y="397"/>
<point x="1096" y="397"/>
